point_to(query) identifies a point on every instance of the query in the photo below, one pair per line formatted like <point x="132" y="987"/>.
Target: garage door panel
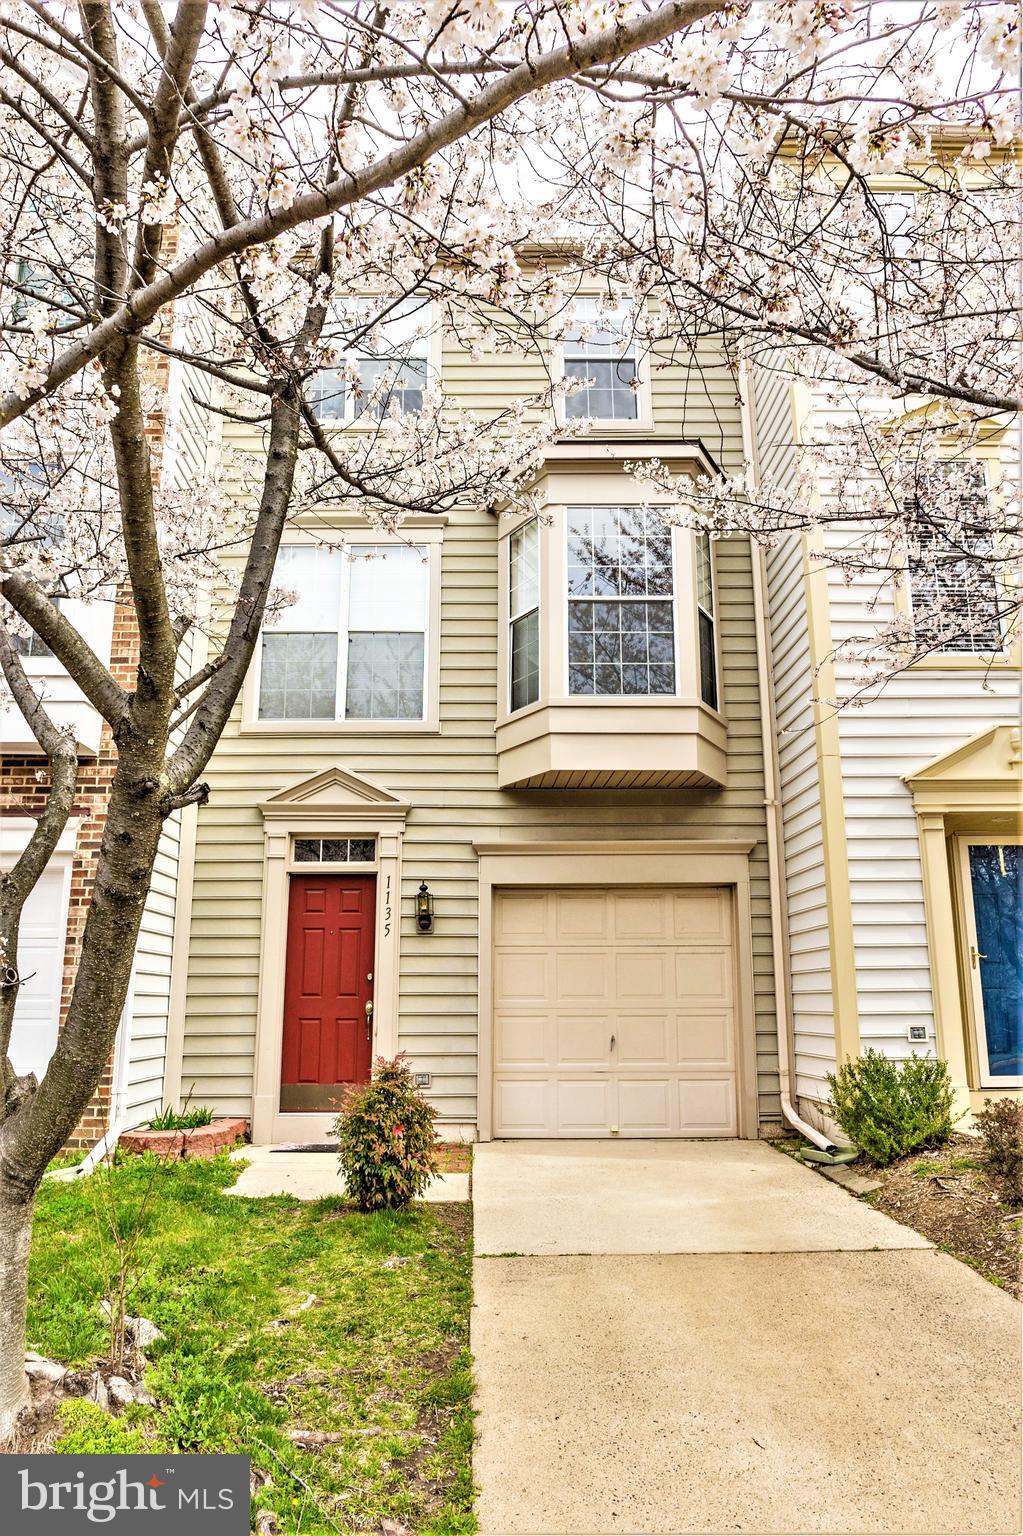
<point x="706" y="1039"/>
<point x="640" y="915"/>
<point x="523" y="1107"/>
<point x="584" y="1106"/>
<point x="703" y="977"/>
<point x="521" y="917"/>
<point x="707" y="1106"/>
<point x="522" y="976"/>
<point x="582" y="1040"/>
<point x="523" y="1040"/>
<point x="583" y="974"/>
<point x="645" y="1039"/>
<point x="701" y="916"/>
<point x="580" y="915"/>
<point x="652" y="971"/>
<point x="643" y="975"/>
<point x="647" y="1106"/>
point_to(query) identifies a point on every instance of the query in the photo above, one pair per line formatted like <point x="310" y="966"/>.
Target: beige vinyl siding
<point x="450" y="779"/>
<point x="810" y="978"/>
<point x="917" y="715"/>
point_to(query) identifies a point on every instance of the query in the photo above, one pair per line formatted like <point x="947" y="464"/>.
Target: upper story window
<point x="621" y="602"/>
<point x="393" y="367"/>
<point x="353" y="645"/>
<point x="954" y="594"/>
<point x="600" y="350"/>
<point x="524" y="615"/>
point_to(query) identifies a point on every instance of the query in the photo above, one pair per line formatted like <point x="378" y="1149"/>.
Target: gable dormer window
<point x="391" y="362"/>
<point x="600" y="350"/>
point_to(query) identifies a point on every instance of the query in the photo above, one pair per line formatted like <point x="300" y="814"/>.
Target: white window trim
<point x="644" y="418"/>
<point x="350" y="357"/>
<point x="432" y="540"/>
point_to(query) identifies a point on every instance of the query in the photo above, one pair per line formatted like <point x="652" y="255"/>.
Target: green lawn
<point x="379" y="1358"/>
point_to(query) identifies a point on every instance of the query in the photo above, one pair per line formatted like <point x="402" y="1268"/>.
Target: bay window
<point x="621" y="610"/>
<point x="705" y="621"/>
<point x="353" y="644"/>
<point x="597" y="350"/>
<point x="524" y="612"/>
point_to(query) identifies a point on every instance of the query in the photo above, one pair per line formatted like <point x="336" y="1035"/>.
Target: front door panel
<point x="328" y="982"/>
<point x="996" y="889"/>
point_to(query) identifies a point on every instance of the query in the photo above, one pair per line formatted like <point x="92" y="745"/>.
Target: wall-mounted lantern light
<point x="424" y="909"/>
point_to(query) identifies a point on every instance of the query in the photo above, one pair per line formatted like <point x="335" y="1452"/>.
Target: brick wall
<point x="23" y="779"/>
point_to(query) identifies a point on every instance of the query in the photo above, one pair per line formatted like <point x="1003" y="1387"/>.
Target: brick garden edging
<point x="199" y="1141"/>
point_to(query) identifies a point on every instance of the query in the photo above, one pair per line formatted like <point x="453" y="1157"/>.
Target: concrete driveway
<point x="705" y="1336"/>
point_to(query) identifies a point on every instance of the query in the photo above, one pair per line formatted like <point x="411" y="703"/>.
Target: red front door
<point x="328" y="982"/>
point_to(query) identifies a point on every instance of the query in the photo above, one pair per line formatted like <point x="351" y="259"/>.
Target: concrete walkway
<point x="314" y="1176"/>
<point x="706" y="1336"/>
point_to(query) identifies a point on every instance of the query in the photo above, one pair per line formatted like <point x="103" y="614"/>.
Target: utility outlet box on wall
<point x="423" y="1079"/>
<point x="916" y="1034"/>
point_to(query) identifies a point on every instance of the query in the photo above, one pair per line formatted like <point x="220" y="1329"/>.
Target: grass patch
<point x="379" y="1359"/>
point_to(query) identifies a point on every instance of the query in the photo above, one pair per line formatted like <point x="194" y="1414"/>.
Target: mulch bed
<point x="949" y="1197"/>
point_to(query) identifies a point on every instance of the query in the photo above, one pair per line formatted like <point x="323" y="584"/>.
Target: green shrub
<point x="387" y="1147"/>
<point x="90" y="1431"/>
<point x="181" y="1120"/>
<point x="1000" y="1123"/>
<point x="889" y="1108"/>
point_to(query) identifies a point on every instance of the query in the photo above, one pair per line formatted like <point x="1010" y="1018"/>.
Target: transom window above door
<point x="353" y="645"/>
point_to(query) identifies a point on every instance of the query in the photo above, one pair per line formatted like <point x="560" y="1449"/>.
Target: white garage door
<point x="41" y="963"/>
<point x="614" y="1013"/>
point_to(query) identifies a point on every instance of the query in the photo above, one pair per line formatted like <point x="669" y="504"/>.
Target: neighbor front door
<point x="328" y="990"/>
<point x="993" y="888"/>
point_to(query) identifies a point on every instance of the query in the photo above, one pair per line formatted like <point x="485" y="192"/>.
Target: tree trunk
<point x="15" y="1234"/>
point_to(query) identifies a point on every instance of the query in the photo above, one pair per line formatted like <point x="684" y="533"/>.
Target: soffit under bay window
<point x="609" y="657"/>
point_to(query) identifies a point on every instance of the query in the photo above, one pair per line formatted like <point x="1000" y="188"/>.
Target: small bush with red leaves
<point x="1000" y="1123"/>
<point x="387" y="1144"/>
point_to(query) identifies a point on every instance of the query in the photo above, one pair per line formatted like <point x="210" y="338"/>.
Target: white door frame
<point x="692" y="862"/>
<point x="335" y="803"/>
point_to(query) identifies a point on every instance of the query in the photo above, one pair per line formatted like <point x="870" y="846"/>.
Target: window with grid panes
<point x="954" y="593"/>
<point x="621" y="602"/>
<point x="401" y="356"/>
<point x="600" y="351"/>
<point x="524" y="615"/>
<point x="705" y="621"/>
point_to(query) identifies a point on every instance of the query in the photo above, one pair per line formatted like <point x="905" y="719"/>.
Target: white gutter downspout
<point x="772" y="805"/>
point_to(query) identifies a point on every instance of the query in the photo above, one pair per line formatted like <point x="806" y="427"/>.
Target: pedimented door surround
<point x="604" y="866"/>
<point x="333" y="804"/>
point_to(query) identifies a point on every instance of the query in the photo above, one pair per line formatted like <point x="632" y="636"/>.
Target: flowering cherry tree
<point x="255" y="190"/>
